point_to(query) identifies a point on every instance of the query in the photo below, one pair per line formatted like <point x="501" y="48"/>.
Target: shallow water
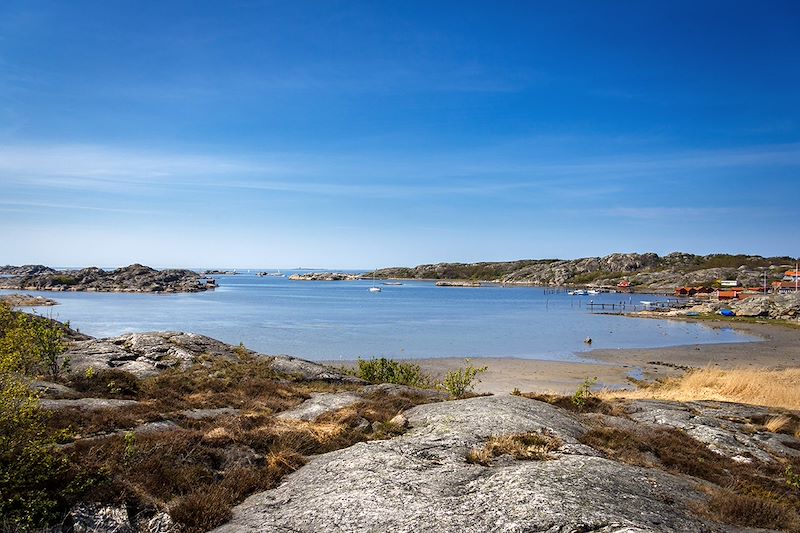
<point x="343" y="320"/>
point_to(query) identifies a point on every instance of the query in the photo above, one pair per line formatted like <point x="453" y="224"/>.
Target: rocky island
<point x="325" y="276"/>
<point x="133" y="278"/>
<point x="26" y="300"/>
<point x="645" y="272"/>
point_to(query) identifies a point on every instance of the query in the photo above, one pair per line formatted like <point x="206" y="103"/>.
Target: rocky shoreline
<point x="642" y="465"/>
<point x="133" y="278"/>
<point x="456" y="283"/>
<point x="778" y="307"/>
<point x="644" y="272"/>
<point x="26" y="300"/>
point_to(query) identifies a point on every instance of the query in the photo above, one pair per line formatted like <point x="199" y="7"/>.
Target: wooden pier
<point x="630" y="307"/>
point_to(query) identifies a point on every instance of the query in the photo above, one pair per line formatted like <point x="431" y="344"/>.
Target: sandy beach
<point x="779" y="348"/>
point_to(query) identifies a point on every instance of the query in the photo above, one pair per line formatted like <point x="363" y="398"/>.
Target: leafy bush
<point x="62" y="279"/>
<point x="33" y="475"/>
<point x="460" y="382"/>
<point x="31" y="344"/>
<point x="385" y="370"/>
<point x="583" y="393"/>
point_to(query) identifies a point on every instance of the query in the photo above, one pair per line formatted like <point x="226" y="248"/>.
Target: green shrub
<point x="62" y="279"/>
<point x="460" y="382"/>
<point x="385" y="370"/>
<point x="584" y="393"/>
<point x="33" y="475"/>
<point x="792" y="479"/>
<point x="31" y="344"/>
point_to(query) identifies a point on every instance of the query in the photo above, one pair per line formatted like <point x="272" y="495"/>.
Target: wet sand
<point x="780" y="348"/>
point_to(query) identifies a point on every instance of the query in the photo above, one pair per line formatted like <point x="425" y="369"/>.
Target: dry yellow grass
<point x="777" y="423"/>
<point x="770" y="388"/>
<point x="219" y="435"/>
<point x="525" y="446"/>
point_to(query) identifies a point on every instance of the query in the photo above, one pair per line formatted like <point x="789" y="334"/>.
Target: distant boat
<point x="374" y="287"/>
<point x="272" y="274"/>
<point x="592" y="291"/>
<point x="578" y="292"/>
<point x="391" y="283"/>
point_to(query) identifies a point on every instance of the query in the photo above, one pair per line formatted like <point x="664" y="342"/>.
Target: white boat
<point x="578" y="292"/>
<point x="374" y="287"/>
<point x="272" y="274"/>
<point x="592" y="291"/>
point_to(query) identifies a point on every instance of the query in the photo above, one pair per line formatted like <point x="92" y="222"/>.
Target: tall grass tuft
<point x="770" y="388"/>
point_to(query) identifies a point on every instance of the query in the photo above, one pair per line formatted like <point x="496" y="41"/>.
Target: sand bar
<point x="780" y="348"/>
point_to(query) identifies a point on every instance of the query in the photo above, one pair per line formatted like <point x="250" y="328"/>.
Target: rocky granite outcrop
<point x="773" y="306"/>
<point x="133" y="278"/>
<point x="26" y="300"/>
<point x="147" y="354"/>
<point x="645" y="271"/>
<point x="421" y="481"/>
<point x="25" y="270"/>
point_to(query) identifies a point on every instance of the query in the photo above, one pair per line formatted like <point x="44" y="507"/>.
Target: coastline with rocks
<point x="406" y="480"/>
<point x="26" y="300"/>
<point x="133" y="278"/>
<point x="265" y="428"/>
<point x="642" y="271"/>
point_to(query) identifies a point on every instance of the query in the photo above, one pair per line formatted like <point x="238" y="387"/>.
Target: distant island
<point x="647" y="271"/>
<point x="133" y="278"/>
<point x="325" y="276"/>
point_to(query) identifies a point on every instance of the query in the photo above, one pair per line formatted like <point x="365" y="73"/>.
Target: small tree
<point x="31" y="344"/>
<point x="461" y="381"/>
<point x="31" y="470"/>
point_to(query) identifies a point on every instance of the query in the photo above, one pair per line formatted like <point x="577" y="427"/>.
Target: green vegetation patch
<point x="63" y="279"/>
<point x="385" y="370"/>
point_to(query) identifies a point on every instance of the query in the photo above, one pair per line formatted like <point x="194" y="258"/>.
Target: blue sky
<point x="361" y="134"/>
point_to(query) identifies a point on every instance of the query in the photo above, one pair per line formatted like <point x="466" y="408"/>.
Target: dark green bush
<point x="385" y="370"/>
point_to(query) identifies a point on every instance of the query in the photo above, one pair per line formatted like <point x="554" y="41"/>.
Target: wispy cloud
<point x="675" y="213"/>
<point x="491" y="171"/>
<point x="24" y="207"/>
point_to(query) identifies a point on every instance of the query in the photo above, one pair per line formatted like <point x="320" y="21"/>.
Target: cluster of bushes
<point x="385" y="370"/>
<point x="35" y="478"/>
<point x="63" y="279"/>
<point x="458" y="383"/>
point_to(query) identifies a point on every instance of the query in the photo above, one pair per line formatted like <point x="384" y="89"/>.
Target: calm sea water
<point x="343" y="320"/>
